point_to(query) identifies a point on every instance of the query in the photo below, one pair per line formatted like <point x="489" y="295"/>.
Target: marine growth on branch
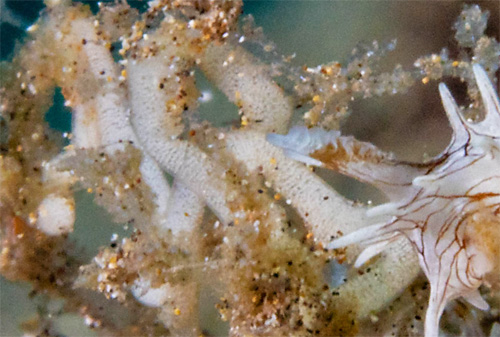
<point x="239" y="212"/>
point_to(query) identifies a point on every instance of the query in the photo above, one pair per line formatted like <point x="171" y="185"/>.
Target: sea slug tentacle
<point x="347" y="155"/>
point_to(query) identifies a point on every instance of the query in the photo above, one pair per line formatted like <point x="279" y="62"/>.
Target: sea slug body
<point x="449" y="207"/>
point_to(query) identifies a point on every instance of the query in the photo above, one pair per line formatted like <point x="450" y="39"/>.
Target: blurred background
<point x="411" y="125"/>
